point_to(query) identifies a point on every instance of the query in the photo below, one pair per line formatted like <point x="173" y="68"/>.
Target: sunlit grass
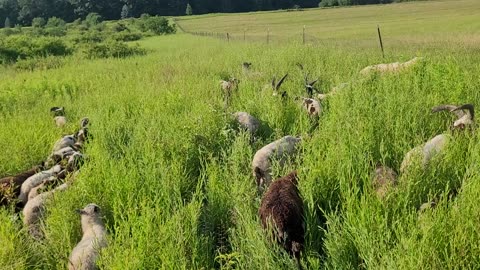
<point x="175" y="182"/>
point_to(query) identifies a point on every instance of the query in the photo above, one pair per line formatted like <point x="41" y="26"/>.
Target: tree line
<point x="22" y="12"/>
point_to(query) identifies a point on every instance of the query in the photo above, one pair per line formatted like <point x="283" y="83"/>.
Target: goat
<point x="59" y="116"/>
<point x="36" y="180"/>
<point x="261" y="164"/>
<point x="228" y="87"/>
<point x="391" y="67"/>
<point x="282" y="213"/>
<point x="276" y="86"/>
<point x="313" y="107"/>
<point x="384" y="178"/>
<point x="247" y="121"/>
<point x="35" y="208"/>
<point x="425" y="152"/>
<point x="309" y="85"/>
<point x="65" y="141"/>
<point x="464" y="118"/>
<point x="246" y="66"/>
<point x="10" y="185"/>
<point x="85" y="254"/>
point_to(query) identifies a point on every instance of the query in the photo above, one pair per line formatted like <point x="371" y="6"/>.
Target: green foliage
<point x="156" y="24"/>
<point x="128" y="36"/>
<point x="23" y="47"/>
<point x="115" y="49"/>
<point x="93" y="19"/>
<point x="38" y="23"/>
<point x="188" y="10"/>
<point x="41" y="63"/>
<point x="120" y="27"/>
<point x="55" y="27"/>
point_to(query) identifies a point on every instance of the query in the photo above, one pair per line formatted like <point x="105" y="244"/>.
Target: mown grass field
<point x="442" y="23"/>
<point x="175" y="182"/>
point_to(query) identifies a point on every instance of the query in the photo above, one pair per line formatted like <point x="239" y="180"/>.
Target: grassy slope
<point x="443" y="21"/>
<point x="173" y="199"/>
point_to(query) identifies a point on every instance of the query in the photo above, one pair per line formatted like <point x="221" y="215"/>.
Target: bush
<point x="19" y="47"/>
<point x="31" y="64"/>
<point x="158" y="25"/>
<point x="126" y="36"/>
<point x="55" y="27"/>
<point x="119" y="27"/>
<point x="114" y="49"/>
<point x="93" y="19"/>
<point x="38" y="22"/>
<point x="89" y="37"/>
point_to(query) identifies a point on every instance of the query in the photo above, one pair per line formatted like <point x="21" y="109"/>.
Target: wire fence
<point x="267" y="37"/>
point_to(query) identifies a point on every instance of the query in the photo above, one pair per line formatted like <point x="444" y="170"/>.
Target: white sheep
<point x="85" y="254"/>
<point x="65" y="141"/>
<point x="34" y="192"/>
<point x="425" y="152"/>
<point x="35" y="209"/>
<point x="59" y="116"/>
<point x="247" y="121"/>
<point x="36" y="180"/>
<point x="391" y="67"/>
<point x="278" y="150"/>
<point x="465" y="114"/>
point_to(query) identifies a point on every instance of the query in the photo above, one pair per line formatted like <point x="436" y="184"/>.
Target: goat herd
<point x="281" y="209"/>
<point x="281" y="206"/>
<point x="29" y="191"/>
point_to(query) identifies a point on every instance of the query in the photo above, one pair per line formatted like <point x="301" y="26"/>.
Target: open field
<point x="174" y="179"/>
<point x="427" y="23"/>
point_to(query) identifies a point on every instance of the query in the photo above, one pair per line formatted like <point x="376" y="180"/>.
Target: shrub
<point x="38" y="22"/>
<point x="18" y="47"/>
<point x="93" y="19"/>
<point x="114" y="49"/>
<point x="158" y="25"/>
<point x="126" y="36"/>
<point x="31" y="64"/>
<point x="89" y="37"/>
<point x="55" y="27"/>
<point x="119" y="27"/>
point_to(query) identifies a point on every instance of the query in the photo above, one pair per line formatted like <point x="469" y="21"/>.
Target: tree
<point x="125" y="12"/>
<point x="38" y="22"/>
<point x="188" y="11"/>
<point x="7" y="23"/>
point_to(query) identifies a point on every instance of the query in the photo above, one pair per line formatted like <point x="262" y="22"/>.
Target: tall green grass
<point x="174" y="180"/>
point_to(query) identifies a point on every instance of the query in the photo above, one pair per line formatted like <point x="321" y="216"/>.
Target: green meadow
<point x="173" y="176"/>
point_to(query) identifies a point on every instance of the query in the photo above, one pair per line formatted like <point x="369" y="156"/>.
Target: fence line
<point x="302" y="37"/>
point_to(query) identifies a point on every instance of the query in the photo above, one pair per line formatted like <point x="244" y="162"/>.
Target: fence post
<point x="228" y="37"/>
<point x="303" y="35"/>
<point x="381" y="42"/>
<point x="268" y="35"/>
<point x="244" y="31"/>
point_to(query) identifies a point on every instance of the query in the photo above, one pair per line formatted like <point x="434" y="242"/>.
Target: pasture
<point x="173" y="177"/>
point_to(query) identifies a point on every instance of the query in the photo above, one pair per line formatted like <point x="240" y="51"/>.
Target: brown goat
<point x="10" y="185"/>
<point x="282" y="210"/>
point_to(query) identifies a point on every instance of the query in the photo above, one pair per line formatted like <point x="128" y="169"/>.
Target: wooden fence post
<point x="228" y="37"/>
<point x="268" y="35"/>
<point x="381" y="42"/>
<point x="303" y="35"/>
